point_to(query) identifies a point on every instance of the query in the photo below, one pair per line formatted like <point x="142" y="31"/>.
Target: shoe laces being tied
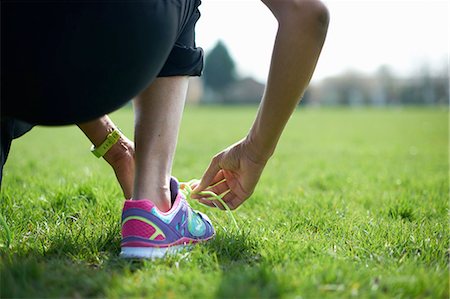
<point x="187" y="189"/>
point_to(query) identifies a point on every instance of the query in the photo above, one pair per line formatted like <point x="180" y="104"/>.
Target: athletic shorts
<point x="72" y="61"/>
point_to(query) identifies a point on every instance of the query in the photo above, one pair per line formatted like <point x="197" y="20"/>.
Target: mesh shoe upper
<point x="143" y="225"/>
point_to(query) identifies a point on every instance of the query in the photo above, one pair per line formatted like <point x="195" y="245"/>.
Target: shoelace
<point x="187" y="190"/>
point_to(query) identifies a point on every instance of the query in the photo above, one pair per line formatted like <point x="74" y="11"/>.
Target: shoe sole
<point x="151" y="252"/>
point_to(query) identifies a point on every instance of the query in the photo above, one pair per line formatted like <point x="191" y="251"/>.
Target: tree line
<point x="383" y="88"/>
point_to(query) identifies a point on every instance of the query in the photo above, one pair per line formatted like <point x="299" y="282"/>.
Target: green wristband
<point x="110" y="140"/>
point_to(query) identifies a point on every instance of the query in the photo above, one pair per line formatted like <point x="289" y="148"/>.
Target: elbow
<point x="311" y="14"/>
<point x="320" y="14"/>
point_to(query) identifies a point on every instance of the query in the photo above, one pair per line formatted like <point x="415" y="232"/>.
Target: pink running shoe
<point x="149" y="233"/>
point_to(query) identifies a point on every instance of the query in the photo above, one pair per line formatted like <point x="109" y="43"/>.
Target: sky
<point x="362" y="36"/>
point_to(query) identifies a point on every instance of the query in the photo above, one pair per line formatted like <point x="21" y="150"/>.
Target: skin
<point x="120" y="156"/>
<point x="150" y="158"/>
<point x="156" y="135"/>
<point x="302" y="28"/>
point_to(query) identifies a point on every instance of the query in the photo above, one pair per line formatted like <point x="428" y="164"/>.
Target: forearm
<point x="120" y="156"/>
<point x="298" y="43"/>
<point x="97" y="130"/>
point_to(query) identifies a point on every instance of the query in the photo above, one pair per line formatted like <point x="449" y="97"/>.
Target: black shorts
<point x="68" y="62"/>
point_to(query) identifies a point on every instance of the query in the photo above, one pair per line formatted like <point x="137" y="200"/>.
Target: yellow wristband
<point x="110" y="140"/>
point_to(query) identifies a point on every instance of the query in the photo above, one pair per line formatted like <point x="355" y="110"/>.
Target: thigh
<point x="185" y="59"/>
<point x="68" y="62"/>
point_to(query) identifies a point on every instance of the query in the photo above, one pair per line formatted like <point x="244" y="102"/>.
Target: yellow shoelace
<point x="187" y="190"/>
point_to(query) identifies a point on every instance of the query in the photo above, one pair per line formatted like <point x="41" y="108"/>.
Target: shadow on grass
<point x="255" y="281"/>
<point x="72" y="269"/>
<point x="55" y="274"/>
<point x="245" y="274"/>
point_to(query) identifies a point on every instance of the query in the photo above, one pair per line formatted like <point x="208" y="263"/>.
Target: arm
<point x="301" y="34"/>
<point x="120" y="156"/>
<point x="302" y="27"/>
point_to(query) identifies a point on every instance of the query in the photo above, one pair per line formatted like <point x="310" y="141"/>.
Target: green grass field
<point x="353" y="204"/>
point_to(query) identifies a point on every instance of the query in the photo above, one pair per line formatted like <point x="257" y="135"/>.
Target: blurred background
<point x="377" y="53"/>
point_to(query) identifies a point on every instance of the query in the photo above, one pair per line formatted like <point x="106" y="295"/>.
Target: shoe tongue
<point x="174" y="186"/>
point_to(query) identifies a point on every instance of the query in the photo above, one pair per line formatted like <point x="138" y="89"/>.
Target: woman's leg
<point x="158" y="111"/>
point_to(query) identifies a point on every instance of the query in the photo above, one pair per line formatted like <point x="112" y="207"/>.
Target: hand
<point x="238" y="168"/>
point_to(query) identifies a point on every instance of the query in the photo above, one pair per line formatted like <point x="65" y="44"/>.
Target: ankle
<point x="163" y="205"/>
<point x="160" y="196"/>
<point x="161" y="199"/>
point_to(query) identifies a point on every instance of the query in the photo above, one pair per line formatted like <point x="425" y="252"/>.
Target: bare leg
<point x="120" y="156"/>
<point x="158" y="111"/>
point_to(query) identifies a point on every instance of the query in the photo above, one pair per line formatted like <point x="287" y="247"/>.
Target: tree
<point x="386" y="89"/>
<point x="219" y="68"/>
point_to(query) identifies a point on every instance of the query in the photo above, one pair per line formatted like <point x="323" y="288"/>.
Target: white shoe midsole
<point x="150" y="252"/>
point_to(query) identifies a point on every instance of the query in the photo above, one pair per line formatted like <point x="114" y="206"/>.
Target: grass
<point x="353" y="204"/>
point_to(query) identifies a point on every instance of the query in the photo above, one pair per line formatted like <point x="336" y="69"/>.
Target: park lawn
<point x="353" y="204"/>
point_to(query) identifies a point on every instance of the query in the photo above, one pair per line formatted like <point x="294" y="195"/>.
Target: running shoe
<point x="149" y="233"/>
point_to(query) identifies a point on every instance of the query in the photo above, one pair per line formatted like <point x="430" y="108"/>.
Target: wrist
<point x="260" y="152"/>
<point x="111" y="139"/>
<point x="120" y="150"/>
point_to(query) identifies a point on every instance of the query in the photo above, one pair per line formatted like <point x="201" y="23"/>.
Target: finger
<point x="209" y="174"/>
<point x="219" y="188"/>
<point x="236" y="186"/>
<point x="224" y="204"/>
<point x="232" y="200"/>
<point x="235" y="203"/>
<point x="212" y="202"/>
<point x="205" y="202"/>
<point x="217" y="179"/>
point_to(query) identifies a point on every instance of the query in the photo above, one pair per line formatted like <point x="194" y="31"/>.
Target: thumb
<point x="209" y="174"/>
